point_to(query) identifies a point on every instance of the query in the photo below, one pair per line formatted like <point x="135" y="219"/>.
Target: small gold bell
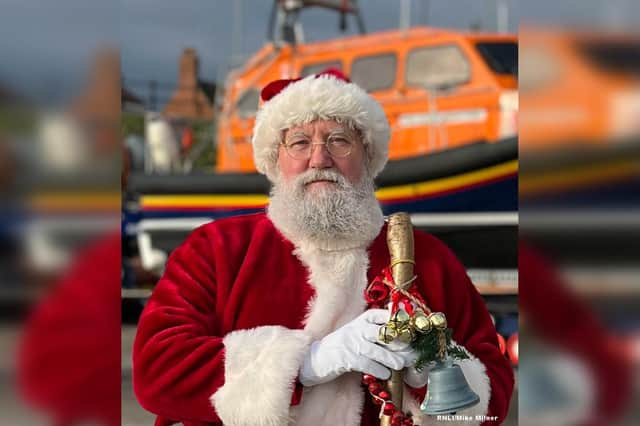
<point x="438" y="320"/>
<point x="421" y="322"/>
<point x="405" y="335"/>
<point x="400" y="318"/>
<point x="386" y="333"/>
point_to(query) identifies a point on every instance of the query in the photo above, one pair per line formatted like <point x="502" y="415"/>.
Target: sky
<point x="45" y="45"/>
<point x="154" y="32"/>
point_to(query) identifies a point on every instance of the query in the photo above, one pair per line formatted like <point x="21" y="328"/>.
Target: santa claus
<point x="261" y="319"/>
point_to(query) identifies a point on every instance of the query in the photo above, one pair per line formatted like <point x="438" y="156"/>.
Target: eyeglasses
<point x="300" y="148"/>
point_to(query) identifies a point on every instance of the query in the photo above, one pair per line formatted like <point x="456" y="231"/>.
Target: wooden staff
<point x="401" y="252"/>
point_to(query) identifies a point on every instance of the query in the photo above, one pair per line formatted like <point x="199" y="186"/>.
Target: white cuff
<point x="261" y="365"/>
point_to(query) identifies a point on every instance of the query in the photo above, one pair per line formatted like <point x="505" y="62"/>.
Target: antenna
<point x="502" y="16"/>
<point x="237" y="33"/>
<point x="405" y="15"/>
<point x="285" y="25"/>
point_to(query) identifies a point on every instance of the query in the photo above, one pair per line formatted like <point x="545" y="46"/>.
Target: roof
<point x="414" y="33"/>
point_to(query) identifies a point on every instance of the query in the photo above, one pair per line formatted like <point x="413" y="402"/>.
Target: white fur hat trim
<point x="323" y="97"/>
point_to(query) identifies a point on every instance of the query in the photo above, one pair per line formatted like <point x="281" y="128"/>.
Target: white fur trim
<point x="266" y="359"/>
<point x="338" y="402"/>
<point x="320" y="98"/>
<point x="476" y="375"/>
<point x="339" y="278"/>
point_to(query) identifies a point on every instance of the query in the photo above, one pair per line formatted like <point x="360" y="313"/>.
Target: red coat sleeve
<point x="187" y="367"/>
<point x="178" y="355"/>
<point x="447" y="288"/>
<point x="473" y="329"/>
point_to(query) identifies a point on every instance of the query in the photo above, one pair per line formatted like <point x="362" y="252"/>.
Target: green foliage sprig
<point x="427" y="346"/>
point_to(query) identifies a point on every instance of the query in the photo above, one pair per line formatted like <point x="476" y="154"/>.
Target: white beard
<point x="337" y="217"/>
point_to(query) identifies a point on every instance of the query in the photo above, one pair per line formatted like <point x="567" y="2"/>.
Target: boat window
<point x="374" y="72"/>
<point x="614" y="56"/>
<point x="437" y="67"/>
<point x="247" y="106"/>
<point x="502" y="57"/>
<point x="319" y="67"/>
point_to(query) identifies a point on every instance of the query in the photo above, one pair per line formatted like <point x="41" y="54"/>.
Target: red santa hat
<point x="325" y="96"/>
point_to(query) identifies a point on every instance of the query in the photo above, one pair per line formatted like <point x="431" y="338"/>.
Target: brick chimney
<point x="189" y="99"/>
<point x="100" y="99"/>
<point x="189" y="68"/>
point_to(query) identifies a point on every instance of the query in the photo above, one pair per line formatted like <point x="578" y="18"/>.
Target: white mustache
<point x="318" y="175"/>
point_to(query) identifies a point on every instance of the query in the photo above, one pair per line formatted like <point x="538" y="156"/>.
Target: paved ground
<point x="13" y="411"/>
<point x="132" y="413"/>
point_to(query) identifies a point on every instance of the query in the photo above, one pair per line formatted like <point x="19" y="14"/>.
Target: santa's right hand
<point x="352" y="347"/>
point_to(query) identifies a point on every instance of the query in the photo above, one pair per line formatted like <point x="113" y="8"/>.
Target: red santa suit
<point x="223" y="336"/>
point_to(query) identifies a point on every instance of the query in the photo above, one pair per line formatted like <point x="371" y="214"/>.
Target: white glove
<point x="353" y="347"/>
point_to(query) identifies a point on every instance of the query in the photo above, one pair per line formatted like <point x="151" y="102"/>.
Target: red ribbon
<point x="383" y="285"/>
<point x="396" y="296"/>
<point x="377" y="292"/>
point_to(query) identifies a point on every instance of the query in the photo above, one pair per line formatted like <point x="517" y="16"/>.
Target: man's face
<point x="323" y="191"/>
<point x="350" y="166"/>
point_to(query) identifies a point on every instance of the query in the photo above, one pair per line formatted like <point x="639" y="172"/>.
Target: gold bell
<point x="438" y="320"/>
<point x="421" y="322"/>
<point x="400" y="318"/>
<point x="386" y="333"/>
<point x="405" y="335"/>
